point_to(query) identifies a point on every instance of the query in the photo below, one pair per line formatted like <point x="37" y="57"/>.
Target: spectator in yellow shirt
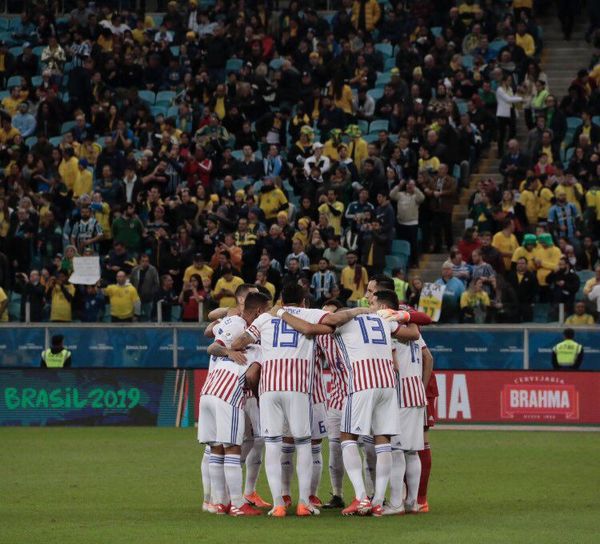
<point x="69" y="168"/>
<point x="526" y="251"/>
<point x="199" y="267"/>
<point x="12" y="101"/>
<point x="474" y="302"/>
<point x="506" y="242"/>
<point x="546" y="259"/>
<point x="125" y="304"/>
<point x="271" y="199"/>
<point x="261" y="279"/>
<point x="84" y="183"/>
<point x="525" y="40"/>
<point x="358" y="149"/>
<point x="3" y="305"/>
<point x="580" y="317"/>
<point x="333" y="209"/>
<point x="7" y="131"/>
<point x="354" y="278"/>
<point x="61" y="295"/>
<point x="224" y="291"/>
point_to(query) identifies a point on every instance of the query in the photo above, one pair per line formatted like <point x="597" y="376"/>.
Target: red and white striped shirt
<point x="318" y="392"/>
<point x="288" y="356"/>
<point x="339" y="375"/>
<point x="410" y="364"/>
<point x="365" y="344"/>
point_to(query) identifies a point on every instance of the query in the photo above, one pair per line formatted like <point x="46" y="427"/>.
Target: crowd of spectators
<point x="210" y="146"/>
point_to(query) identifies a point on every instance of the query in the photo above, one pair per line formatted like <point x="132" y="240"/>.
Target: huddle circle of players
<point x="265" y="390"/>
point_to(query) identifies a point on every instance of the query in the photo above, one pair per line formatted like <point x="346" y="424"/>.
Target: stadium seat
<point x="276" y="64"/>
<point x="376" y="93"/>
<point x="165" y="98"/>
<point x="31" y="141"/>
<point x="462" y="106"/>
<point x="13" y="81"/>
<point x="158" y="110"/>
<point x="385" y="48"/>
<point x="173" y="111"/>
<point x="4" y="94"/>
<point x="36" y="81"/>
<point x="574" y="122"/>
<point x="15" y="51"/>
<point x="5" y="23"/>
<point x="383" y="80"/>
<point x="370" y="138"/>
<point x="389" y="64"/>
<point x="234" y="65"/>
<point x="66" y="126"/>
<point x="541" y="312"/>
<point x="401" y="247"/>
<point x="147" y="96"/>
<point x="363" y="126"/>
<point x="174" y="50"/>
<point x="239" y="184"/>
<point x="436" y="31"/>
<point x="596" y="119"/>
<point x="55" y="141"/>
<point x="583" y="275"/>
<point x="37" y="51"/>
<point x="569" y="155"/>
<point x="467" y="62"/>
<point x="395" y="261"/>
<point x="237" y="154"/>
<point x="379" y="124"/>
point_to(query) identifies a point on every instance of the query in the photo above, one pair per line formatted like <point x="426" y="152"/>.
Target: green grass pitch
<point x="130" y="485"/>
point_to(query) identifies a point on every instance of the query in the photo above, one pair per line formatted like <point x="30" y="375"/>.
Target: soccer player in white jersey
<point x="371" y="407"/>
<point x="406" y="465"/>
<point x="287" y="373"/>
<point x="221" y="417"/>
<point x="253" y="444"/>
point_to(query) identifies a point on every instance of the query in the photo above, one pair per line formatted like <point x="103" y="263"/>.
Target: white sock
<point x="273" y="468"/>
<point x="233" y="478"/>
<point x="353" y="466"/>
<point x="247" y="445"/>
<point x="304" y="468"/>
<point x="370" y="464"/>
<point x="384" y="467"/>
<point x="336" y="466"/>
<point x="397" y="478"/>
<point x="253" y="462"/>
<point x="413" y="475"/>
<point x="217" y="479"/>
<point x="205" y="472"/>
<point x="317" y="468"/>
<point x="287" y="467"/>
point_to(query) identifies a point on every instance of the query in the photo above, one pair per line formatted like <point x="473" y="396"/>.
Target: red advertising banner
<point x="480" y="396"/>
<point x="518" y="397"/>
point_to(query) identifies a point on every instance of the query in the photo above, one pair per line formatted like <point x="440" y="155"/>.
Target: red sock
<point x="425" y="456"/>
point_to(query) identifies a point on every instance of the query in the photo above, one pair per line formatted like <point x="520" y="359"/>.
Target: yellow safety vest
<point x="55" y="360"/>
<point x="566" y="352"/>
<point x="400" y="286"/>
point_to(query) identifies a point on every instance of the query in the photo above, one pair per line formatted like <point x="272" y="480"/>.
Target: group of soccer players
<point x="265" y="389"/>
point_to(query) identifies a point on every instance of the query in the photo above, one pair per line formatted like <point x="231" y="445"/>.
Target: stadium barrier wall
<point x="179" y="345"/>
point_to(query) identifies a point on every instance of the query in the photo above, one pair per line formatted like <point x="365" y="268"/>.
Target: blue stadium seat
<point x="379" y="124"/>
<point x="363" y="126"/>
<point x="147" y="96"/>
<point x="174" y="50"/>
<point x="66" y="126"/>
<point x="389" y="64"/>
<point x="4" y="94"/>
<point x="385" y="48"/>
<point x="13" y="81"/>
<point x="436" y="31"/>
<point x="55" y="141"/>
<point x="383" y="79"/>
<point x="584" y="275"/>
<point x="541" y="312"/>
<point x="370" y="138"/>
<point x="276" y="64"/>
<point x="596" y="119"/>
<point x="31" y="141"/>
<point x="165" y="98"/>
<point x="234" y="65"/>
<point x="173" y="111"/>
<point x="376" y="93"/>
<point x="158" y="110"/>
<point x="467" y="61"/>
<point x="37" y="51"/>
<point x="239" y="184"/>
<point x="15" y="51"/>
<point x="36" y="81"/>
<point x="401" y="247"/>
<point x="395" y="261"/>
<point x="574" y="122"/>
<point x="237" y="154"/>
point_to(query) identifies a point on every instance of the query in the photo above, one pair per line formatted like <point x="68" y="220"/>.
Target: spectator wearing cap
<point x="317" y="159"/>
<point x="546" y="260"/>
<point x="527" y="251"/>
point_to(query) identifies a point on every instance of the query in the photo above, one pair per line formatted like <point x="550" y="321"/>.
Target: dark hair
<point x="243" y="289"/>
<point x="383" y="282"/>
<point x="334" y="302"/>
<point x="263" y="291"/>
<point x="292" y="293"/>
<point x="255" y="301"/>
<point x="569" y="334"/>
<point x="388" y="297"/>
<point x="57" y="339"/>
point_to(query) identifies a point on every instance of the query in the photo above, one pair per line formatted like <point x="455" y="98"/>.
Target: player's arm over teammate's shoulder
<point x="305" y="327"/>
<point x="217" y="349"/>
<point x="343" y="316"/>
<point x="407" y="333"/>
<point x="252" y="334"/>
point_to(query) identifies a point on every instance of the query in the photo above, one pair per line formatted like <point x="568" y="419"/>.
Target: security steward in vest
<point x="568" y="354"/>
<point x="57" y="356"/>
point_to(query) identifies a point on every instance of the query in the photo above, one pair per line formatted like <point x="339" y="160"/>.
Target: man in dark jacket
<point x="525" y="284"/>
<point x="32" y="293"/>
<point x="564" y="284"/>
<point x="442" y="195"/>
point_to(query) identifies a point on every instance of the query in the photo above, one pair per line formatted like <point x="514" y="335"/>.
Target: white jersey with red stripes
<point x="329" y="351"/>
<point x="288" y="357"/>
<point x="226" y="330"/>
<point x="227" y="379"/>
<point x="318" y="390"/>
<point x="410" y="369"/>
<point x="365" y="344"/>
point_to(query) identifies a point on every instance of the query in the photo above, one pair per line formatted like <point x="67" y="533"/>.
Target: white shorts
<point x="285" y="413"/>
<point x="319" y="421"/>
<point x="219" y="422"/>
<point x="334" y="423"/>
<point x="411" y="437"/>
<point x="252" y="418"/>
<point x="372" y="412"/>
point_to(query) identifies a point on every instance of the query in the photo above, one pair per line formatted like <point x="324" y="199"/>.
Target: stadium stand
<point x="259" y="141"/>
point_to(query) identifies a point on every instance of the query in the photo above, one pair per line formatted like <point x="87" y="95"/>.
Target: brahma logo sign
<point x="539" y="397"/>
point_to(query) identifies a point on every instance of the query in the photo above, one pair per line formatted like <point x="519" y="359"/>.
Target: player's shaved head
<point x="386" y="298"/>
<point x="242" y="291"/>
<point x="292" y="293"/>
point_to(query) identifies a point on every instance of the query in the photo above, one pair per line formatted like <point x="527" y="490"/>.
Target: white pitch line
<point x="537" y="428"/>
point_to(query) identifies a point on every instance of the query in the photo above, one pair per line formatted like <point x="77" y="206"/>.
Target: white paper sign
<point x="86" y="271"/>
<point x="430" y="300"/>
